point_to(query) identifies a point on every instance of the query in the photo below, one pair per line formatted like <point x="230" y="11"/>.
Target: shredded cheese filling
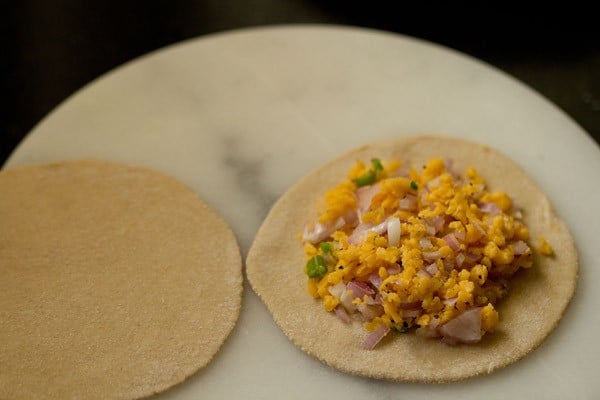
<point x="458" y="246"/>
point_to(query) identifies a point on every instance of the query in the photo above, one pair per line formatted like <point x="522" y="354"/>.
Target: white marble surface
<point x="240" y="116"/>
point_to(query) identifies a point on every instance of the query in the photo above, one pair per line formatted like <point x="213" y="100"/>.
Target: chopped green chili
<point x="413" y="185"/>
<point x="377" y="165"/>
<point x="316" y="267"/>
<point x="326" y="247"/>
<point x="369" y="177"/>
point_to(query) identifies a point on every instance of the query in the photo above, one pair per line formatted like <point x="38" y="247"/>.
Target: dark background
<point x="50" y="49"/>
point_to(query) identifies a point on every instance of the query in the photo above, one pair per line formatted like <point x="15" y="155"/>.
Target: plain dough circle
<point x="534" y="306"/>
<point x="115" y="281"/>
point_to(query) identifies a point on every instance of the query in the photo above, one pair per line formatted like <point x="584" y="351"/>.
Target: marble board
<point x="240" y="116"/>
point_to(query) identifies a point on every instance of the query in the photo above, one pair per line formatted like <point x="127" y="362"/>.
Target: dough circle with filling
<point x="536" y="301"/>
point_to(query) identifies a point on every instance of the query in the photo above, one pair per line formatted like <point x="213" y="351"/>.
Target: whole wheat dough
<point x="534" y="306"/>
<point x="115" y="281"/>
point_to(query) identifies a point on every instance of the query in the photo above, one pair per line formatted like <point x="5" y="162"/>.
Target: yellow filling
<point x="472" y="275"/>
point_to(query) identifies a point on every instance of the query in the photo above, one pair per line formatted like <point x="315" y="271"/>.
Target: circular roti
<point x="536" y="301"/>
<point x="115" y="281"/>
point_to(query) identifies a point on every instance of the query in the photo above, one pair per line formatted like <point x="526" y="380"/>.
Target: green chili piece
<point x="326" y="247"/>
<point x="377" y="165"/>
<point x="316" y="267"/>
<point x="368" y="178"/>
<point x="413" y="185"/>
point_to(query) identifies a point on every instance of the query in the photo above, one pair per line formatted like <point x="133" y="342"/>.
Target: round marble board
<point x="240" y="116"/>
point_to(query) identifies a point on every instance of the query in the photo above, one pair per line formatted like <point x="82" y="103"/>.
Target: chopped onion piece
<point x="452" y="242"/>
<point x="432" y="269"/>
<point x="339" y="223"/>
<point x="423" y="273"/>
<point x="431" y="330"/>
<point x="374" y="300"/>
<point x="490" y="208"/>
<point x="394" y="270"/>
<point x="435" y="182"/>
<point x="431" y="255"/>
<point x="321" y="232"/>
<point x="337" y="290"/>
<point x="381" y="228"/>
<point x="437" y="222"/>
<point x="450" y="302"/>
<point x="364" y="196"/>
<point x="425" y="243"/>
<point x="369" y="311"/>
<point x="430" y="230"/>
<point x="465" y="328"/>
<point x="375" y="337"/>
<point x="346" y="300"/>
<point x="350" y="218"/>
<point x="520" y="248"/>
<point x="408" y="203"/>
<point x="422" y="196"/>
<point x="460" y="235"/>
<point x="341" y="313"/>
<point x="394" y="231"/>
<point x="375" y="279"/>
<point x="359" y="289"/>
<point x="359" y="233"/>
<point x="316" y="235"/>
<point x="479" y="228"/>
<point x="472" y="258"/>
<point x="518" y="214"/>
<point x="460" y="259"/>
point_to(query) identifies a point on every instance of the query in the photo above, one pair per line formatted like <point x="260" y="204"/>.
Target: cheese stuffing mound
<point x="423" y="250"/>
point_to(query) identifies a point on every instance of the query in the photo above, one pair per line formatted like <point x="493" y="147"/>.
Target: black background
<point x="50" y="49"/>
